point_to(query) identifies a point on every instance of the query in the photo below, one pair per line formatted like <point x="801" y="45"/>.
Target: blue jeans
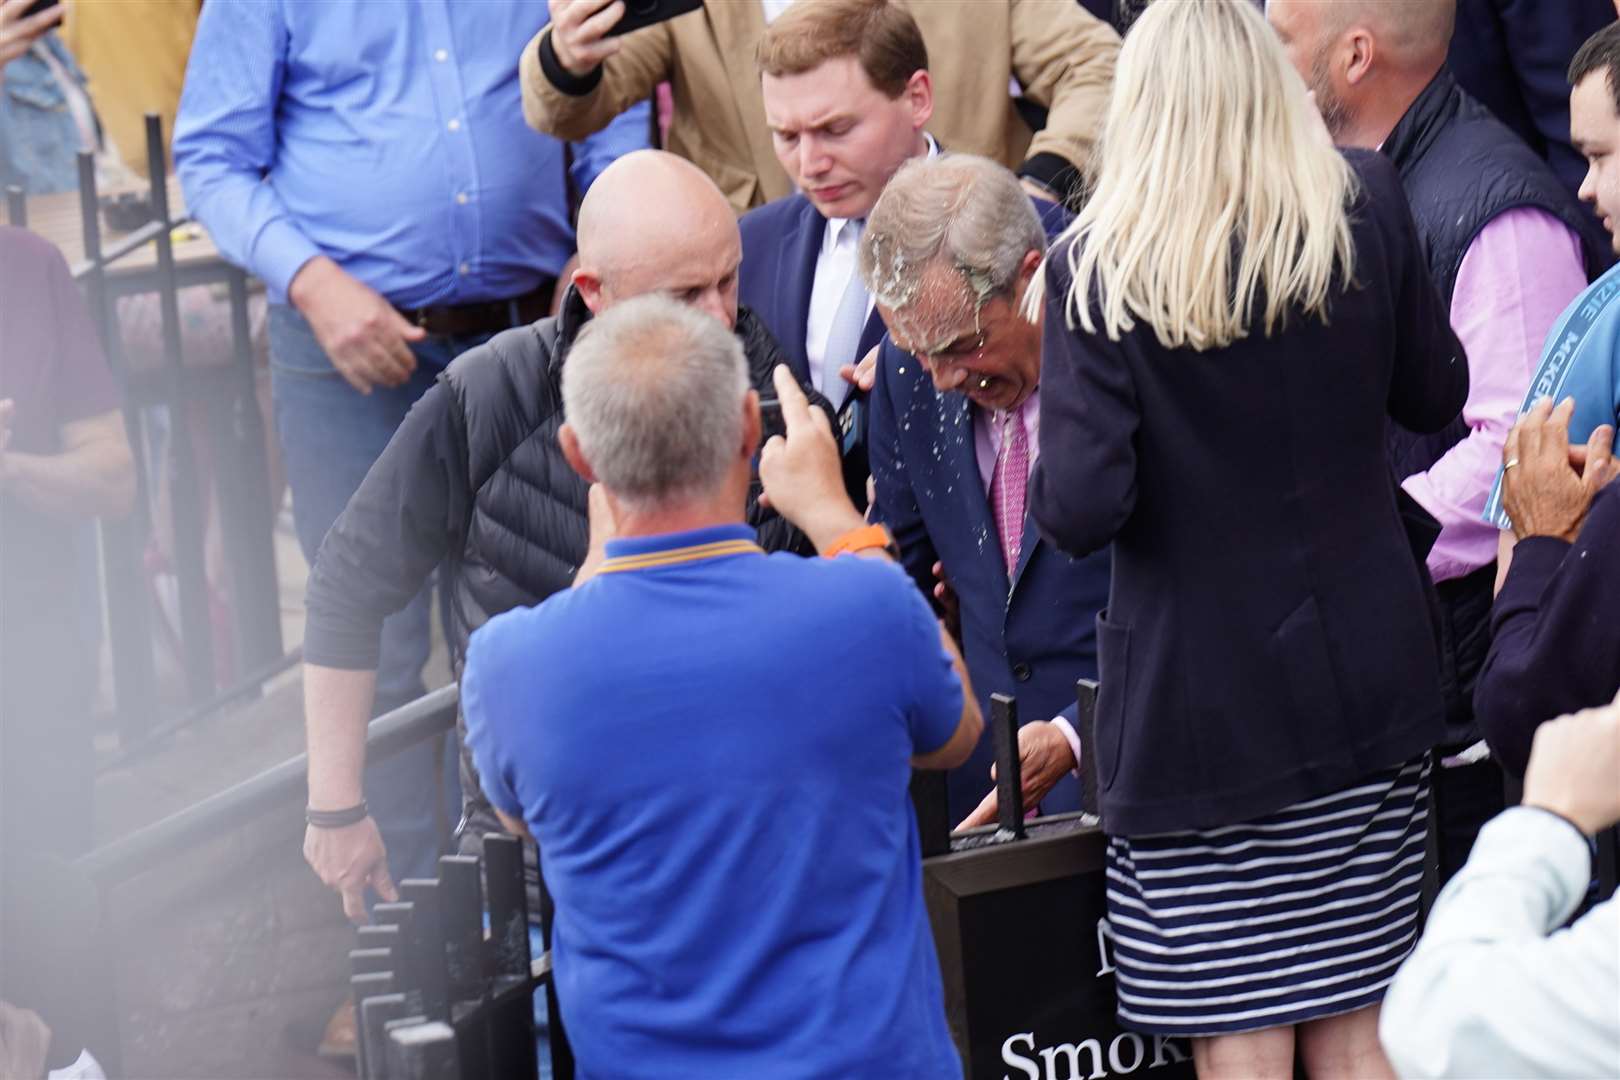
<point x="330" y="436"/>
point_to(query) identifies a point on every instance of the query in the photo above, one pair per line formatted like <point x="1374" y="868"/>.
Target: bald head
<point x="1410" y="33"/>
<point x="1365" y="60"/>
<point x="655" y="223"/>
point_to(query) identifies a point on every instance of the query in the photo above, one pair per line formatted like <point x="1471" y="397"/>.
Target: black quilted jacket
<point x="475" y="483"/>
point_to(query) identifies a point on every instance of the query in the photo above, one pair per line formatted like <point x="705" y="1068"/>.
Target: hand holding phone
<point x="22" y="22"/>
<point x="583" y="32"/>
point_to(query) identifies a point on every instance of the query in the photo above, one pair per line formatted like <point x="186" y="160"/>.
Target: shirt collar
<point x="692" y="545"/>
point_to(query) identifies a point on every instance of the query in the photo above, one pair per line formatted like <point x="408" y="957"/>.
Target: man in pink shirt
<point x="1508" y="249"/>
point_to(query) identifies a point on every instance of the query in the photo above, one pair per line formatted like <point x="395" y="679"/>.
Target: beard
<point x="1335" y="113"/>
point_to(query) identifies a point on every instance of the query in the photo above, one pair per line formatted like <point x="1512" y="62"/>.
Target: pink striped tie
<point x="1008" y="486"/>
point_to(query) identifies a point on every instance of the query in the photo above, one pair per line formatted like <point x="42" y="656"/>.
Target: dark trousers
<point x="1468" y="796"/>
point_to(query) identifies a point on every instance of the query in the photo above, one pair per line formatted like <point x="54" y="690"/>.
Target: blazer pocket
<point x="1113" y="678"/>
<point x="1300" y="647"/>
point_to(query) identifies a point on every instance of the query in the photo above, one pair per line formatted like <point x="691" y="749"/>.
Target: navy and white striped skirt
<point x="1301" y="914"/>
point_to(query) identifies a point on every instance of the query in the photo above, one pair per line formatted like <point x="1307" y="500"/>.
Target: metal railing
<point x="224" y="399"/>
<point x="279" y="786"/>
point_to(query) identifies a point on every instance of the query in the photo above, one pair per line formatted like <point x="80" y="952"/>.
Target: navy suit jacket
<point x="1031" y="637"/>
<point x="781" y="243"/>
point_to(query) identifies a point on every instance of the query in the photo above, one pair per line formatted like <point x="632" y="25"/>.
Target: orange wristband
<point x="861" y="539"/>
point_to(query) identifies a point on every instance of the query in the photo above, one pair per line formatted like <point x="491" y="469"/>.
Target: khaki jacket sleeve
<point x="629" y="76"/>
<point x="1063" y="56"/>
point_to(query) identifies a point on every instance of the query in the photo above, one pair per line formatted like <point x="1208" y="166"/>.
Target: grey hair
<point x="653" y="390"/>
<point x="966" y="210"/>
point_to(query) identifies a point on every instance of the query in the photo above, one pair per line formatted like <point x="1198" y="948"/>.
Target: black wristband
<point x="335" y="819"/>
<point x="560" y="77"/>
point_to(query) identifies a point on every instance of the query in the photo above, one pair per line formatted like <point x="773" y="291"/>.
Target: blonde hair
<point x="1215" y="184"/>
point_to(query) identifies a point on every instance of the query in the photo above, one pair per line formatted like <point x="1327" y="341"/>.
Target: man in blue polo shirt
<point x="712" y="746"/>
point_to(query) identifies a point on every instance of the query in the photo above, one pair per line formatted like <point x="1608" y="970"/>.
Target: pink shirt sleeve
<point x="1516" y="278"/>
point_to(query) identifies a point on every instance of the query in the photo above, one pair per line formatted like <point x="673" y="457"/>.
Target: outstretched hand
<point x="1547" y="486"/>
<point x="350" y="860"/>
<point x="1044" y="758"/>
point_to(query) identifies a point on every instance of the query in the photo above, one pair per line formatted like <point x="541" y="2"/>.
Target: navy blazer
<point x="1032" y="637"/>
<point x="781" y="243"/>
<point x="1555" y="645"/>
<point x="1267" y="638"/>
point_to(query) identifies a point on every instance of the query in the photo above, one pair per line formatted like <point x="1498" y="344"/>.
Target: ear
<point x="1028" y="267"/>
<point x="569" y="441"/>
<point x="589" y="284"/>
<point x="753" y="426"/>
<point x="1361" y="52"/>
<point x="1030" y="264"/>
<point x="919" y="95"/>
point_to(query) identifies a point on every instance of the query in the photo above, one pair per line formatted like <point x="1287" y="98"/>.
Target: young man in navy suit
<point x="847" y="95"/>
<point x="949" y="251"/>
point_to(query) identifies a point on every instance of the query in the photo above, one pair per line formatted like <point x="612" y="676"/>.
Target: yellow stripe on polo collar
<point x="673" y="556"/>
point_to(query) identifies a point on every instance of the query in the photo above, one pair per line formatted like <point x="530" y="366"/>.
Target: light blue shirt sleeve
<point x="629" y="131"/>
<point x="481" y="681"/>
<point x="225" y="140"/>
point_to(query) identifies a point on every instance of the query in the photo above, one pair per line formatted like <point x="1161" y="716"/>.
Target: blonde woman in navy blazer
<point x="1230" y="322"/>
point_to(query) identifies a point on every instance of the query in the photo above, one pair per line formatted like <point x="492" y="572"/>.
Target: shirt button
<point x="441" y="55"/>
<point x="1021" y="671"/>
<point x="461" y="198"/>
<point x="464" y="268"/>
<point x="455" y="125"/>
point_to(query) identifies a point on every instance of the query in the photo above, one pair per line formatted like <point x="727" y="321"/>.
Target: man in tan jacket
<point x="576" y="79"/>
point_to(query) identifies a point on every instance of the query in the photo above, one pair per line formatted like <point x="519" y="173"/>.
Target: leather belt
<point x="484" y="317"/>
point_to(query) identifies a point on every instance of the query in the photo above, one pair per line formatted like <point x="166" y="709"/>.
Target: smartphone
<point x="771" y="420"/>
<point x="639" y="13"/>
<point x="38" y="6"/>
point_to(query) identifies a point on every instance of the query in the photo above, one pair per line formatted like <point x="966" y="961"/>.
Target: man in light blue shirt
<point x="370" y="163"/>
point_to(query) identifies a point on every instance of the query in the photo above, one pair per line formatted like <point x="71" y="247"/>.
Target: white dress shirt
<point x="1494" y="988"/>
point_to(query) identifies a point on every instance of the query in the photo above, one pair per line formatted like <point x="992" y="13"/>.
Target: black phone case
<point x="640" y="13"/>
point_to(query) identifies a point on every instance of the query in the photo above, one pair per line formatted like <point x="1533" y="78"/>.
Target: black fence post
<point x="16" y="206"/>
<point x="367" y="985"/>
<point x="461" y="911"/>
<point x="423" y="1051"/>
<point x="1009" y="769"/>
<point x="373" y="1018"/>
<point x="427" y="945"/>
<point x="185" y="490"/>
<point x="123" y="541"/>
<point x="242" y="487"/>
<point x="511" y="1047"/>
<point x="1085" y="693"/>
